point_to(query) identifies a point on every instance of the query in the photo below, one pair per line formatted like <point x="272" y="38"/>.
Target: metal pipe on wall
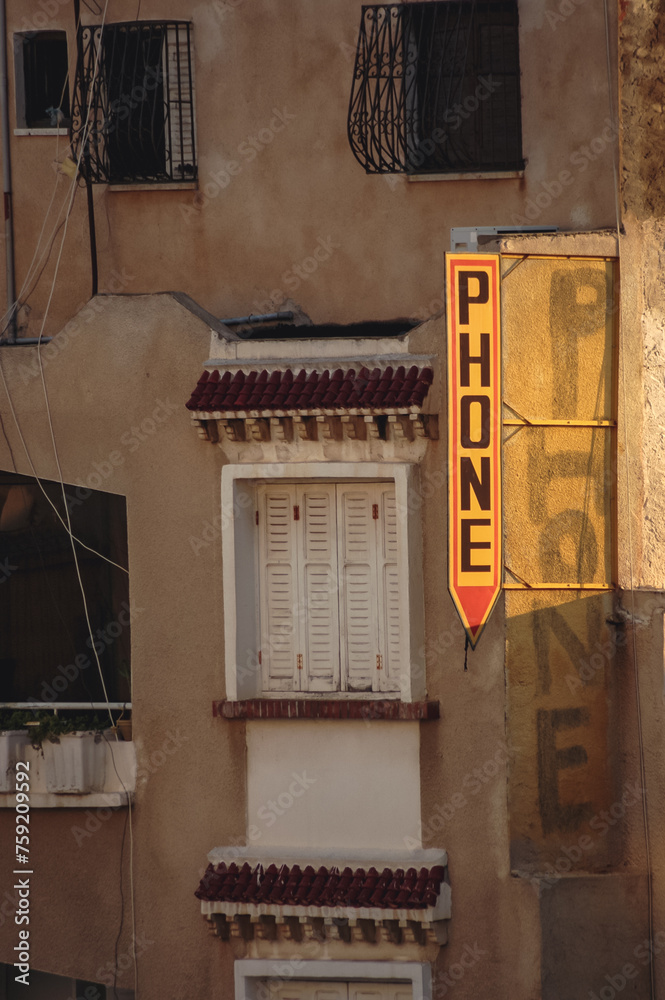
<point x="7" y="176"/>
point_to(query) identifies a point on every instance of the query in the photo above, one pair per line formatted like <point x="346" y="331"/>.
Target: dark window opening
<point x="44" y="78"/>
<point x="136" y="141"/>
<point x="46" y="651"/>
<point x="287" y="331"/>
<point x="137" y="79"/>
<point x="436" y="88"/>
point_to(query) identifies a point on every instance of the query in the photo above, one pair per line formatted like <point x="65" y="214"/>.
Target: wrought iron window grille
<point x="436" y="88"/>
<point x="135" y="90"/>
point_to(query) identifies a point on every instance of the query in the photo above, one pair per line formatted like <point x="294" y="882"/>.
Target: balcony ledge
<point x="106" y="780"/>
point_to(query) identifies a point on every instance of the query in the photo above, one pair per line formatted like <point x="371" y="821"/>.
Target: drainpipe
<point x="7" y="175"/>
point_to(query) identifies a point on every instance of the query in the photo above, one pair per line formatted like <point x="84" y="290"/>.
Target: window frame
<point x="107" y="588"/>
<point x="242" y="630"/>
<point x="393" y="95"/>
<point x="357" y="520"/>
<point x="250" y="974"/>
<point x="116" y="126"/>
<point x="41" y="127"/>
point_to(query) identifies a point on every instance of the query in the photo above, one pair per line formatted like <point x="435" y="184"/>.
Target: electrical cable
<point x="17" y="304"/>
<point x="55" y="451"/>
<point x="38" y="480"/>
<point x="68" y="526"/>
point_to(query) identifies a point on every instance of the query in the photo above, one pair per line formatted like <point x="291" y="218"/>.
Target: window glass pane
<point x="45" y="74"/>
<point x="136" y="125"/>
<point x="46" y="652"/>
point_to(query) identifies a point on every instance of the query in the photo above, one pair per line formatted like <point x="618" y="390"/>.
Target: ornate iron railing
<point x="436" y="88"/>
<point x="133" y="108"/>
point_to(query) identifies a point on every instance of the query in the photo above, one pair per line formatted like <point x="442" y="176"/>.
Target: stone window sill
<point x="158" y="186"/>
<point x="41" y="131"/>
<point x="489" y="175"/>
<point x="300" y="708"/>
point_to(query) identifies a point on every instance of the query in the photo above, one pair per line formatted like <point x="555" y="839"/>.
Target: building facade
<point x="224" y="502"/>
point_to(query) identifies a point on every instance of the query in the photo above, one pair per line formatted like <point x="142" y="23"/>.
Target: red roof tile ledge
<point x="359" y="389"/>
<point x="364" y="709"/>
<point x="409" y="886"/>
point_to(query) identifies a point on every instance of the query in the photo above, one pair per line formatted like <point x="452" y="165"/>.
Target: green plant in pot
<point x="43" y="726"/>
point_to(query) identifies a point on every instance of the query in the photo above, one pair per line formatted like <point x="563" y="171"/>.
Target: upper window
<point x="42" y="87"/>
<point x="436" y="88"/>
<point x="48" y="652"/>
<point x="137" y="79"/>
<point x="322" y="580"/>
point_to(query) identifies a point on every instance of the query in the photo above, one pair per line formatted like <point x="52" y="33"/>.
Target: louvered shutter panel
<point x="358" y="587"/>
<point x="380" y="991"/>
<point x="278" y="585"/>
<point x="390" y="630"/>
<point x="179" y="100"/>
<point x="319" y="602"/>
<point x="307" y="991"/>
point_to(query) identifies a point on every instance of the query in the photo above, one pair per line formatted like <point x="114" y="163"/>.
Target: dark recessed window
<point x="436" y="88"/>
<point x="46" y="650"/>
<point x="137" y="79"/>
<point x="42" y="87"/>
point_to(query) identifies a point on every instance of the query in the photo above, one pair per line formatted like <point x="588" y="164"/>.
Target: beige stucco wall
<point x="191" y="797"/>
<point x="132" y="360"/>
<point x="106" y="379"/>
<point x="131" y="353"/>
<point x="233" y="245"/>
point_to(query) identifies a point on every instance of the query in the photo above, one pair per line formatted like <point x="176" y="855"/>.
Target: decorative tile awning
<point x="352" y="904"/>
<point x="283" y="404"/>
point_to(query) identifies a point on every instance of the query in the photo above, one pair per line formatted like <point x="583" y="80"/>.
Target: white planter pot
<point x="11" y="750"/>
<point x="76" y="764"/>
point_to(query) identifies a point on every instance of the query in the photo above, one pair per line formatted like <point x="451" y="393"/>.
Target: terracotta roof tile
<point x="292" y="886"/>
<point x="286" y="390"/>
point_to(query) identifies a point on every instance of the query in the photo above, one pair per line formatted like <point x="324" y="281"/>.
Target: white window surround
<point x="240" y="568"/>
<point x="251" y="973"/>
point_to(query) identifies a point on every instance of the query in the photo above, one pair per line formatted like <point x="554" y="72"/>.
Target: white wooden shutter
<point x="318" y="572"/>
<point x="358" y="587"/>
<point x="179" y="97"/>
<point x="278" y="588"/>
<point x="390" y="605"/>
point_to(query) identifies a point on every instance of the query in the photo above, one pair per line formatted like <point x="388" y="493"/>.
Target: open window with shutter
<point x="323" y="591"/>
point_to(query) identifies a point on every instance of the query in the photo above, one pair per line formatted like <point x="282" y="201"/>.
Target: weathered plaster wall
<point x="104" y="381"/>
<point x="642" y="385"/>
<point x="234" y="244"/>
<point x="642" y="51"/>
